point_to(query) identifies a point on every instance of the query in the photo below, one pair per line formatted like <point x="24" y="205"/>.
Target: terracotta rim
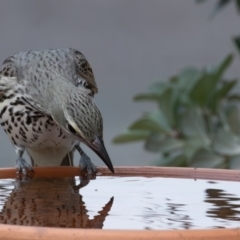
<point x="26" y="232"/>
<point x="145" y="171"/>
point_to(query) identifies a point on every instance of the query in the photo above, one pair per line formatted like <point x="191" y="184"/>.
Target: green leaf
<point x="167" y="98"/>
<point x="206" y="84"/>
<point x="188" y="78"/>
<point x="207" y="159"/>
<point x="177" y="159"/>
<point x="159" y="87"/>
<point x="160" y="143"/>
<point x="221" y="93"/>
<point x="226" y="143"/>
<point x="192" y="146"/>
<point x="174" y="80"/>
<point x="154" y="121"/>
<point x="233" y="118"/>
<point x="236" y="41"/>
<point x="192" y="125"/>
<point x="227" y="87"/>
<point x="131" y="136"/>
<point x="156" y="90"/>
<point x="223" y="66"/>
<point x="220" y="4"/>
<point x="238" y="5"/>
<point x="167" y="105"/>
<point x="154" y="141"/>
<point x="221" y="121"/>
<point x="203" y="89"/>
<point x="234" y="97"/>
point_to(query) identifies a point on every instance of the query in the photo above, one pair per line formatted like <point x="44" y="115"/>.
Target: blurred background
<point x="129" y="44"/>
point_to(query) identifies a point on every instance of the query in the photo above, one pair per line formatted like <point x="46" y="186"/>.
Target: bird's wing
<point x="8" y="68"/>
<point x="34" y="67"/>
<point x="54" y="59"/>
<point x="9" y="78"/>
<point x="84" y="70"/>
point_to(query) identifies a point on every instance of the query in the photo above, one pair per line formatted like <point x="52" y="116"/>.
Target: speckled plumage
<point x="46" y="104"/>
<point x="38" y="66"/>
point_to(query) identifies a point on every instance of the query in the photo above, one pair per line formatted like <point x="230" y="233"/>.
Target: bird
<point x="47" y="108"/>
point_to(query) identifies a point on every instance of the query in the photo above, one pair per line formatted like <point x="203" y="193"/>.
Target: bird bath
<point x="135" y="202"/>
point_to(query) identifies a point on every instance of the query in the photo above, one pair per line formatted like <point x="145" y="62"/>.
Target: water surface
<point x="121" y="203"/>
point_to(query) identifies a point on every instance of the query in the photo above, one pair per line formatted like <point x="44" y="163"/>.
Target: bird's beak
<point x="98" y="147"/>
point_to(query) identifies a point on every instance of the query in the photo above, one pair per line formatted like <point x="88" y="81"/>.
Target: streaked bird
<point x="47" y="108"/>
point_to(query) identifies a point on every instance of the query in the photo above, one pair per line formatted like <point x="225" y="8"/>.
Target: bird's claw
<point x="23" y="167"/>
<point x="84" y="181"/>
<point x="86" y="164"/>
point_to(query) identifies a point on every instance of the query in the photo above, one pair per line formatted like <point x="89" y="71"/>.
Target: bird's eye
<point x="71" y="129"/>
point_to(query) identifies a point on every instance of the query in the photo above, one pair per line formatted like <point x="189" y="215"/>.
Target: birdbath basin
<point x="135" y="203"/>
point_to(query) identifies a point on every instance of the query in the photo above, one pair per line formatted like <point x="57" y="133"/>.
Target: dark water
<point x="121" y="203"/>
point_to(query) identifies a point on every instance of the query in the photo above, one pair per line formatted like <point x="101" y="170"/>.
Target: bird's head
<point x="80" y="117"/>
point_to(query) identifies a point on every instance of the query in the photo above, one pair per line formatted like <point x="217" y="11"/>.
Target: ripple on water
<point x="121" y="203"/>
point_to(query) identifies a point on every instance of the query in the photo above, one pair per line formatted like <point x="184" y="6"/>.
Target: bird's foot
<point x="23" y="167"/>
<point x="86" y="164"/>
<point x="84" y="181"/>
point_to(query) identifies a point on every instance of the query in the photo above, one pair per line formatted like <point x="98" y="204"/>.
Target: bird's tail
<point x="68" y="159"/>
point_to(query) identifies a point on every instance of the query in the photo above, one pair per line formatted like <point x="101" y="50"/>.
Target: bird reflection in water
<point x="49" y="202"/>
<point x="224" y="206"/>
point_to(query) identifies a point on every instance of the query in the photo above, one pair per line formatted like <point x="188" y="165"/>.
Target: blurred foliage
<point x="220" y="4"/>
<point x="236" y="41"/>
<point x="197" y="120"/>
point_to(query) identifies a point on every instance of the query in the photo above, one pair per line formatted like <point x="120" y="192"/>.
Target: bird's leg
<point x="21" y="165"/>
<point x="85" y="162"/>
<point x="84" y="181"/>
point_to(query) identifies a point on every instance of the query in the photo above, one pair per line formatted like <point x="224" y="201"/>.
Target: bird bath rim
<point x="27" y="232"/>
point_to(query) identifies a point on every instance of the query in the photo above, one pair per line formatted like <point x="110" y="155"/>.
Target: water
<point x="121" y="203"/>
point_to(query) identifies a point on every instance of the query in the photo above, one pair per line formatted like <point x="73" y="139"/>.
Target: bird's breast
<point x="29" y="128"/>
